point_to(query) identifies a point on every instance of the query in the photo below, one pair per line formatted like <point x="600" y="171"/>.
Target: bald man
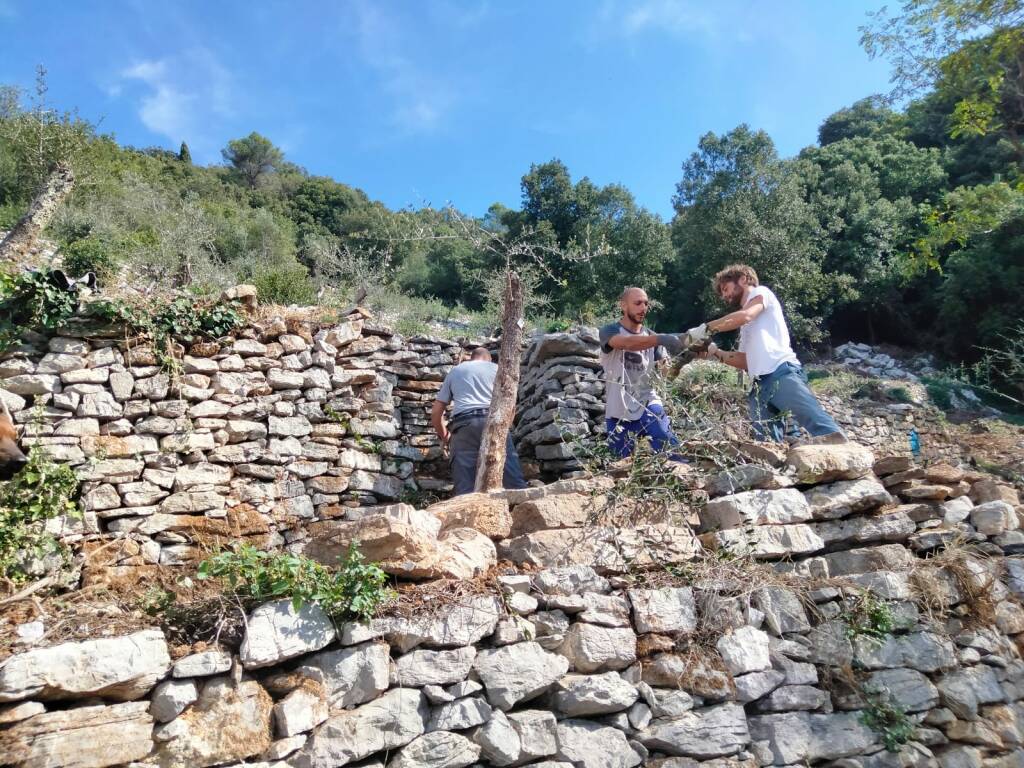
<point x="629" y="352"/>
<point x="468" y="387"/>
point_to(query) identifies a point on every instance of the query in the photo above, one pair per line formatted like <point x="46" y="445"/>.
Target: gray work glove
<point x="670" y="342"/>
<point x="697" y="335"/>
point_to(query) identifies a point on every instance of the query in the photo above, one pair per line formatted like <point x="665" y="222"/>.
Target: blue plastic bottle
<point x="915" y="442"/>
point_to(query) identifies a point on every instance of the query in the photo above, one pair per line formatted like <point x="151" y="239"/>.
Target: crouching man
<point x="468" y="387"/>
<point x="779" y="383"/>
<point x="629" y="353"/>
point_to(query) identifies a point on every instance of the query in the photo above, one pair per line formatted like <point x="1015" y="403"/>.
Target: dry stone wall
<point x="576" y="656"/>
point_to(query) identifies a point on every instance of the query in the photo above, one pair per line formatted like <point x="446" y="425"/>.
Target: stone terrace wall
<point x="258" y="435"/>
<point x="585" y="662"/>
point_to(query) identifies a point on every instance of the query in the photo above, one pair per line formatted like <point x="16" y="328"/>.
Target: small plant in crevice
<point x="355" y="589"/>
<point x="43" y="489"/>
<point x="182" y="319"/>
<point x="867" y="616"/>
<point x="887" y="719"/>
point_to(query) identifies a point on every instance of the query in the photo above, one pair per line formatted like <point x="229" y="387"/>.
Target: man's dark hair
<point x="480" y="353"/>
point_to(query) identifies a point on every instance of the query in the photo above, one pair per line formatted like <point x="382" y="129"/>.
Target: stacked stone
<point x="561" y="395"/>
<point x="256" y="436"/>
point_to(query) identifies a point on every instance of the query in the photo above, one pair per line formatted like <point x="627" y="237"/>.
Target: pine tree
<point x="184" y="155"/>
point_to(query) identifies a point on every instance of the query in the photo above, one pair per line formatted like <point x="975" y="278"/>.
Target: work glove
<point x="671" y="342"/>
<point x="697" y="335"/>
<point x="713" y="352"/>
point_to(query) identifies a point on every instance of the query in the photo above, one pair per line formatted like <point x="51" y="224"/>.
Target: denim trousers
<point x="464" y="447"/>
<point x="652" y="424"/>
<point x="781" y="394"/>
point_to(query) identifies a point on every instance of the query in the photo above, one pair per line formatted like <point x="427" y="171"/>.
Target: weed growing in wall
<point x="867" y="616"/>
<point x="355" y="589"/>
<point x="30" y="300"/>
<point x="886" y="718"/>
<point x="42" y="490"/>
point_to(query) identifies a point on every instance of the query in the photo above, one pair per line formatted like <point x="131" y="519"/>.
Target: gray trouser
<point x="464" y="446"/>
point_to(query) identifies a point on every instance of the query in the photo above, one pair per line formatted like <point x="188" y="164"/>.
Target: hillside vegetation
<point x="900" y="225"/>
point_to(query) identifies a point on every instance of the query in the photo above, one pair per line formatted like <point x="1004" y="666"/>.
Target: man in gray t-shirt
<point x="468" y="387"/>
<point x="629" y="352"/>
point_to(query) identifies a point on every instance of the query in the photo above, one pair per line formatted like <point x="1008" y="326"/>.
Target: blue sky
<point x="441" y="101"/>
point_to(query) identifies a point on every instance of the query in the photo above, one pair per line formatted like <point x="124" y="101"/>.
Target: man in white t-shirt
<point x="779" y="383"/>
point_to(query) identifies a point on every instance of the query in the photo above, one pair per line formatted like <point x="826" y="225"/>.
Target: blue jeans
<point x="782" y="393"/>
<point x="652" y="424"/>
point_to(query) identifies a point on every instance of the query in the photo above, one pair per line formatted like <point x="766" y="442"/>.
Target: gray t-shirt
<point x="628" y="375"/>
<point x="469" y="386"/>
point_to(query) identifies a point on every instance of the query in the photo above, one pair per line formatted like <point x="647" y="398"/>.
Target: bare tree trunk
<point x="491" y="462"/>
<point x="19" y="241"/>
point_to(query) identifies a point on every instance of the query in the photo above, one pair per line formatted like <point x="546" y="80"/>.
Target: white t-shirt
<point x="765" y="340"/>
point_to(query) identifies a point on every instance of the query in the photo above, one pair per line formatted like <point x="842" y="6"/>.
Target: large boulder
<point x="486" y="513"/>
<point x="391" y="721"/>
<point x="351" y="676"/>
<point x="453" y="626"/>
<point x="403" y="545"/>
<point x="588" y="744"/>
<point x="227" y="723"/>
<point x="439" y="749"/>
<point x="813" y="464"/>
<point x="119" y="668"/>
<point x="703" y="733"/>
<point x="564" y="510"/>
<point x="518" y="672"/>
<point x="759" y="507"/>
<point x="84" y="737"/>
<point x="802" y="738"/>
<point x="845" y="497"/>
<point x="275" y="632"/>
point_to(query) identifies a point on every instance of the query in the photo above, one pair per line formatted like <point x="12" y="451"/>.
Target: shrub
<point x="288" y="284"/>
<point x="42" y="490"/>
<point x="90" y="254"/>
<point x="869" y="617"/>
<point x="353" y="590"/>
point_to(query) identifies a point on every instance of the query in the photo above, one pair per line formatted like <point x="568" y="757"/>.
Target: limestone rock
<point x="517" y="672"/>
<point x="815" y="464"/>
<point x="591" y="745"/>
<point x="227" y="723"/>
<point x="454" y="626"/>
<point x="301" y="710"/>
<point x="391" y="721"/>
<point x="745" y="650"/>
<point x="402" y="547"/>
<point x="459" y="714"/>
<point x="463" y="553"/>
<point x="439" y="749"/>
<point x="171" y="697"/>
<point x="670" y="609"/>
<point x="584" y="695"/>
<point x="717" y="731"/>
<point x="755" y="508"/>
<point x="923" y="651"/>
<point x="498" y="740"/>
<point x="84" y="737"/>
<point x="994" y="517"/>
<point x="757" y="684"/>
<point x="965" y="690"/>
<point x="608" y="550"/>
<point x="119" y="668"/>
<point x="202" y="664"/>
<point x="276" y="632"/>
<point x="836" y="500"/>
<point x="537" y="733"/>
<point x="352" y="675"/>
<point x="782" y="610"/>
<point x="565" y="510"/>
<point x="419" y="668"/>
<point x="592" y="648"/>
<point x="796" y="737"/>
<point x="696" y="675"/>
<point x="483" y="512"/>
<point x="608" y="610"/>
<point x="768" y="541"/>
<point x="745" y="477"/>
<point x="571" y="580"/>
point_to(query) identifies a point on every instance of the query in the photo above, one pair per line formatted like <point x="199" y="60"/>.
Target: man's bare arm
<point x="632" y="343"/>
<point x="735" y="359"/>
<point x="737" y="319"/>
<point x="440" y="422"/>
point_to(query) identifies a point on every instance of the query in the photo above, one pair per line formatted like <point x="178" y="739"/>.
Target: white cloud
<point x="421" y="99"/>
<point x="675" y="16"/>
<point x="183" y="94"/>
